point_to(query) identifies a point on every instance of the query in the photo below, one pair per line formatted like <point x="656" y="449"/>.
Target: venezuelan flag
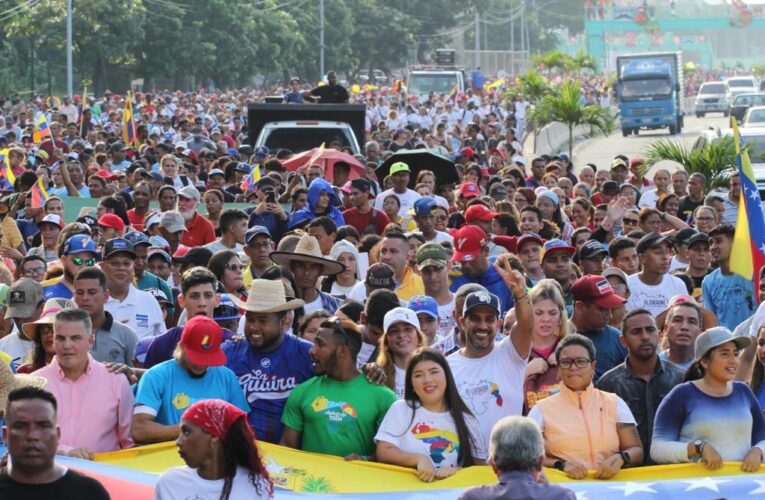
<point x="748" y="253"/>
<point x="41" y="130"/>
<point x="129" y="133"/>
<point x="6" y="174"/>
<point x="248" y="184"/>
<point x="39" y="193"/>
<point x="453" y="93"/>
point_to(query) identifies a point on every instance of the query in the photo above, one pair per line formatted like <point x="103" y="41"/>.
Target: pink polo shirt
<point x="94" y="411"/>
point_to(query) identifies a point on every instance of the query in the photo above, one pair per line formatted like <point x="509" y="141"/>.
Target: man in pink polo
<point x="95" y="406"/>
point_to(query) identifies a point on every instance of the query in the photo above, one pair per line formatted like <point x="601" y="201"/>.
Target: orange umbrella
<point x="327" y="160"/>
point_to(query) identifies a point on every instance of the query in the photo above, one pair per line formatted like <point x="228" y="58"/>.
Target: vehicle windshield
<point x="647" y="88"/>
<point x="425" y="83"/>
<point x="712" y="88"/>
<point x="740" y="82"/>
<point x="302" y="139"/>
<point x="756" y="144"/>
<point x="749" y="99"/>
<point x="755" y="116"/>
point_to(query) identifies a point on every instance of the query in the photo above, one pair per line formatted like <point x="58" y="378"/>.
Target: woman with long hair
<point x="548" y="204"/>
<point x="401" y="337"/>
<point x="228" y="268"/>
<point x="582" y="212"/>
<point x="40" y="332"/>
<point x="551" y="324"/>
<point x="213" y="200"/>
<point x="221" y="455"/>
<point x="711" y="417"/>
<point x="431" y="408"/>
<point x="391" y="206"/>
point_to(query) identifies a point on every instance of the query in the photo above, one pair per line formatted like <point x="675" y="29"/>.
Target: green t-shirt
<point x="338" y="418"/>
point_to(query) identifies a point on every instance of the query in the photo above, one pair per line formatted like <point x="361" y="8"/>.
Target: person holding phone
<point x="268" y="212"/>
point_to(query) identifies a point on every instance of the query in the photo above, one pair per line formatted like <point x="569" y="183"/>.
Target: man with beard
<point x="196" y="372"/>
<point x="489" y="376"/>
<point x="79" y="251"/>
<point x="643" y="379"/>
<point x="32" y="437"/>
<point x="199" y="231"/>
<point x="653" y="286"/>
<point x="338" y="411"/>
<point x="729" y="296"/>
<point x="268" y="363"/>
<point x="128" y="305"/>
<point x="730" y="202"/>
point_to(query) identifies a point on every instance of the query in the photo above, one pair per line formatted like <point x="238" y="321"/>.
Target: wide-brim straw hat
<point x="308" y="250"/>
<point x="10" y="381"/>
<point x="266" y="297"/>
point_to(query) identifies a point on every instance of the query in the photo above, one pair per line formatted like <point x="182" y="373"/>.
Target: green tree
<point x="564" y="106"/>
<point x="716" y="160"/>
<point x="533" y="86"/>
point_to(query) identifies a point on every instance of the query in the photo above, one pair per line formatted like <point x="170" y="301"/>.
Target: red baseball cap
<point x="201" y="339"/>
<point x="469" y="240"/>
<point x="469" y="190"/>
<point x="112" y="220"/>
<point x="597" y="290"/>
<point x="105" y="174"/>
<point x="479" y="212"/>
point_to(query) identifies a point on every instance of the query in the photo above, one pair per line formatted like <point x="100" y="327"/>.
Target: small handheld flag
<point x="129" y="133"/>
<point x="248" y="184"/>
<point x="41" y="130"/>
<point x="5" y="169"/>
<point x="39" y="193"/>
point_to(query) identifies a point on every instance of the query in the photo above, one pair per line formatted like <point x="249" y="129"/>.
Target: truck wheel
<point x="726" y="113"/>
<point x="635" y="131"/>
<point x="626" y="132"/>
<point x="699" y="115"/>
<point x="673" y="129"/>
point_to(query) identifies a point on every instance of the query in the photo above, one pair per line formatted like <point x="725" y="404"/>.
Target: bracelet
<point x="521" y="297"/>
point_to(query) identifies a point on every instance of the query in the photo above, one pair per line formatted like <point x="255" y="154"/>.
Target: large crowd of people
<point x="530" y="314"/>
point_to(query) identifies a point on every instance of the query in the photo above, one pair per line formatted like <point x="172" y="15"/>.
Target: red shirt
<point x="360" y="221"/>
<point x="137" y="220"/>
<point x="200" y="231"/>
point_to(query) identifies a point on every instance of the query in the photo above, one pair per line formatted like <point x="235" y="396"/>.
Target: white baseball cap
<point x="400" y="314"/>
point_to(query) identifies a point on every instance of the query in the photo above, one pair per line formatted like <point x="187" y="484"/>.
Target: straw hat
<point x="267" y="296"/>
<point x="10" y="381"/>
<point x="48" y="316"/>
<point x="307" y="250"/>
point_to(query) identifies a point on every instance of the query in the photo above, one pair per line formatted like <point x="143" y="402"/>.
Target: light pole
<point x="69" y="48"/>
<point x="321" y="37"/>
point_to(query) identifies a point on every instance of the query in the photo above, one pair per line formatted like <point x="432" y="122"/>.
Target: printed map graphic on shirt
<point x="441" y="442"/>
<point x="339" y="414"/>
<point x="181" y="401"/>
<point x="480" y="395"/>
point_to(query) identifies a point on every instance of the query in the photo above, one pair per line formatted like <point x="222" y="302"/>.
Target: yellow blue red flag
<point x="129" y="132"/>
<point x="39" y="193"/>
<point x="7" y="178"/>
<point x="453" y="93"/>
<point x="748" y="252"/>
<point x="41" y="130"/>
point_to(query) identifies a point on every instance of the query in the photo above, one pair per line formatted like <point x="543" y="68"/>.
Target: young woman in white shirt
<point x="431" y="430"/>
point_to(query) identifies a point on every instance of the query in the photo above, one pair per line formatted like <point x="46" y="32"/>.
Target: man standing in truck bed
<point x="332" y="93"/>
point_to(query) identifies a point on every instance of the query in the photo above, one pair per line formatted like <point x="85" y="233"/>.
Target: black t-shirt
<point x="335" y="94"/>
<point x="70" y="486"/>
<point x="687" y="206"/>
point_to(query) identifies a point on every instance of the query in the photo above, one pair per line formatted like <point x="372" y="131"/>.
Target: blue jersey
<point x="267" y="379"/>
<point x="57" y="291"/>
<point x="168" y="389"/>
<point x="491" y="280"/>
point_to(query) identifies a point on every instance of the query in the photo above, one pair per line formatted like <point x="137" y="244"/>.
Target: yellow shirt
<point x="411" y="285"/>
<point x="11" y="235"/>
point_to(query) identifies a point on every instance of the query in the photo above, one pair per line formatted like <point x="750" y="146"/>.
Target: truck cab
<point x="423" y="82"/>
<point x="649" y="90"/>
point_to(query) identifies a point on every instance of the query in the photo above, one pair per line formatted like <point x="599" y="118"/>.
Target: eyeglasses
<point x="33" y="271"/>
<point x="579" y="362"/>
<point x="705" y="219"/>
<point x="79" y="261"/>
<point x="235" y="267"/>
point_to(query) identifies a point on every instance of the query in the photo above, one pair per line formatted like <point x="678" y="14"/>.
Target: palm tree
<point x="715" y="160"/>
<point x="565" y="106"/>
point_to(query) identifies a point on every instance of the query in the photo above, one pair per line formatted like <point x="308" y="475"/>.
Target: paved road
<point x="602" y="150"/>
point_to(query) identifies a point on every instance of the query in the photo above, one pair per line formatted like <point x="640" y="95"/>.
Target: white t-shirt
<point x="431" y="434"/>
<point x="648" y="199"/>
<point x="491" y="386"/>
<point x="623" y="414"/>
<point x="676" y="264"/>
<point x="316" y="305"/>
<point x="400" y="382"/>
<point x="446" y="321"/>
<point x="217" y="246"/>
<point x="16" y="347"/>
<point x="653" y="298"/>
<point x="439" y="237"/>
<point x="341" y="291"/>
<point x="184" y="483"/>
<point x="140" y="311"/>
<point x="407" y="200"/>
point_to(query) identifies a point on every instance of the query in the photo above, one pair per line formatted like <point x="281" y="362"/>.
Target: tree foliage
<point x="716" y="160"/>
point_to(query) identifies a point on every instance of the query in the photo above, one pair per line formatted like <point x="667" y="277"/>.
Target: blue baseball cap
<point x="261" y="152"/>
<point x="231" y="152"/>
<point x="254" y="231"/>
<point x="424" y="304"/>
<point x="481" y="298"/>
<point x="243" y="167"/>
<point x="226" y="310"/>
<point x="424" y="205"/>
<point x="80" y="243"/>
<point x="554" y="245"/>
<point x="137" y="238"/>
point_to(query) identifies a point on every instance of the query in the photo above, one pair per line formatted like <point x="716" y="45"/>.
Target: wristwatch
<point x="559" y="464"/>
<point x="699" y="445"/>
<point x="626" y="457"/>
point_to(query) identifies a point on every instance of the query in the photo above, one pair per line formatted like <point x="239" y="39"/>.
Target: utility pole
<point x="512" y="41"/>
<point x="69" y="48"/>
<point x="477" y="61"/>
<point x="523" y="35"/>
<point x="321" y="37"/>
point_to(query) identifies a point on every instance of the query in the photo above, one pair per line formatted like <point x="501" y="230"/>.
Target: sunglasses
<point x="79" y="261"/>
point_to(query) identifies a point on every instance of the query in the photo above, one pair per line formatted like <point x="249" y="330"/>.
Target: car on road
<point x="736" y="85"/>
<point x="711" y="99"/>
<point x="754" y="117"/>
<point x="742" y="102"/>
